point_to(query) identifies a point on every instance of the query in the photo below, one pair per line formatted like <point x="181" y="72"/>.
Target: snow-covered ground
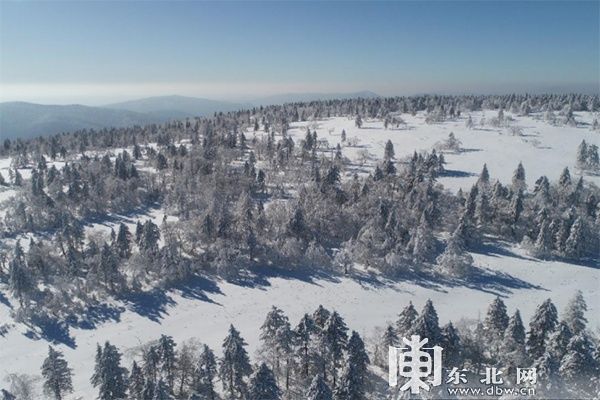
<point x="543" y="149"/>
<point x="205" y="308"/>
<point x="204" y="311"/>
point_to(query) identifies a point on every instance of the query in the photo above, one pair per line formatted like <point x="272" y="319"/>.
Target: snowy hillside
<point x="203" y="307"/>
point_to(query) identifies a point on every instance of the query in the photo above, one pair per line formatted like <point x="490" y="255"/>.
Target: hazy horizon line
<point x="112" y="97"/>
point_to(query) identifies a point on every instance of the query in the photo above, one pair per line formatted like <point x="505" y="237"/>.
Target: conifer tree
<point x="389" y="151"/>
<point x="424" y="241"/>
<point x="406" y="320"/>
<point x="123" y="241"/>
<point x="204" y="375"/>
<point x="19" y="278"/>
<point x="578" y="366"/>
<point x="575" y="244"/>
<point x="320" y="317"/>
<point x="167" y="355"/>
<point x="575" y="313"/>
<point x="559" y="340"/>
<point x="335" y="338"/>
<point x="109" y="376"/>
<point x="303" y="334"/>
<point x="541" y="326"/>
<point x="162" y="391"/>
<point x="427" y="324"/>
<point x="496" y="320"/>
<point x="57" y="375"/>
<point x="263" y="385"/>
<point x="318" y="390"/>
<point x="518" y="180"/>
<point x="136" y="383"/>
<point x="235" y="365"/>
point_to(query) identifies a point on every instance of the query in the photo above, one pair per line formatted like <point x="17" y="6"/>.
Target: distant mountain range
<point x="304" y="97"/>
<point x="27" y="120"/>
<point x="173" y="107"/>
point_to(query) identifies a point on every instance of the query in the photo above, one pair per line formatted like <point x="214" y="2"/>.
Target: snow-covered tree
<point x="302" y="340"/>
<point x="455" y="260"/>
<point x="235" y="365"/>
<point x="406" y="320"/>
<point x="263" y="385"/>
<point x="19" y="277"/>
<point x="423" y="247"/>
<point x="578" y="365"/>
<point x="335" y="338"/>
<point x="57" y="375"/>
<point x="318" y="390"/>
<point x="518" y="179"/>
<point x="167" y="354"/>
<point x="575" y="313"/>
<point x="389" y="151"/>
<point x="109" y="377"/>
<point x="136" y="383"/>
<point x="204" y="374"/>
<point x="575" y="244"/>
<point x="542" y="324"/>
<point x="496" y="320"/>
<point x="427" y="324"/>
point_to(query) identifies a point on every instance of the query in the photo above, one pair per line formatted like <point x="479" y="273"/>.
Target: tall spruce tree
<point x="235" y="365"/>
<point x="57" y="375"/>
<point x="109" y="376"/>
<point x="318" y="390"/>
<point x="263" y="385"/>
<point x="542" y="324"/>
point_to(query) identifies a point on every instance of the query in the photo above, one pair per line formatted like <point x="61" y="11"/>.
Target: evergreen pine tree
<point x="57" y="375"/>
<point x="235" y="365"/>
<point x="167" y="355"/>
<point x="162" y="391"/>
<point x="451" y="344"/>
<point x="123" y="242"/>
<point x="19" y="278"/>
<point x="406" y="320"/>
<point x="574" y="314"/>
<point x="559" y="340"/>
<point x="518" y="180"/>
<point x="389" y="151"/>
<point x="427" y="325"/>
<point x="263" y="385"/>
<point x="204" y="375"/>
<point x="302" y="339"/>
<point x="136" y="383"/>
<point x="542" y="324"/>
<point x="109" y="376"/>
<point x="496" y="320"/>
<point x="318" y="390"/>
<point x="575" y="244"/>
<point x="335" y="339"/>
<point x="578" y="366"/>
<point x="320" y="317"/>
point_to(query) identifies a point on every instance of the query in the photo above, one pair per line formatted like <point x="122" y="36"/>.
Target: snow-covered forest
<point x="318" y="359"/>
<point x="176" y="231"/>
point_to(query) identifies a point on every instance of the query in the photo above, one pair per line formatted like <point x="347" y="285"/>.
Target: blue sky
<point x="100" y="51"/>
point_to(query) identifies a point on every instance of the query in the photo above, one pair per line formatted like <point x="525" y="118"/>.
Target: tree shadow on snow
<point x="153" y="304"/>
<point x="50" y="330"/>
<point x="452" y="173"/>
<point x="258" y="276"/>
<point x="4" y="300"/>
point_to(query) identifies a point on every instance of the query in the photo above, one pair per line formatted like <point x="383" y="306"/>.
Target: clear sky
<point x="92" y="52"/>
